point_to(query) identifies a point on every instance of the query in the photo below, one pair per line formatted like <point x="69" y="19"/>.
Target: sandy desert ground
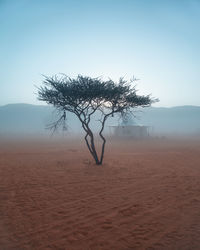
<point x="145" y="196"/>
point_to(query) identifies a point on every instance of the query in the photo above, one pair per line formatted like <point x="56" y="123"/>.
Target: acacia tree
<point x="84" y="96"/>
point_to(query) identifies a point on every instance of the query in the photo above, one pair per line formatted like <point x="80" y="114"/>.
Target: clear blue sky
<point x="156" y="41"/>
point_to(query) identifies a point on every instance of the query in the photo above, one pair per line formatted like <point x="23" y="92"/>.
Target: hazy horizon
<point x="50" y="105"/>
<point x="156" y="41"/>
<point x="17" y="119"/>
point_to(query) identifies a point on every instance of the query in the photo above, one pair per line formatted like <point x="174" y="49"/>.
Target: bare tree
<point x="84" y="96"/>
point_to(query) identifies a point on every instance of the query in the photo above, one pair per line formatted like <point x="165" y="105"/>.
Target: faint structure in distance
<point x="129" y="128"/>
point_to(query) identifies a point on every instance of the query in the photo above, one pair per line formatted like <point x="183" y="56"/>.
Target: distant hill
<point x="176" y="120"/>
<point x="32" y="119"/>
<point x="29" y="119"/>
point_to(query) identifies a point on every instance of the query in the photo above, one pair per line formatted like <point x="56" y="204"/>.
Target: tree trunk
<point x="92" y="149"/>
<point x="91" y="144"/>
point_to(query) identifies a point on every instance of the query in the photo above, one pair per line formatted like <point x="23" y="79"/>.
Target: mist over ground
<point x="27" y="119"/>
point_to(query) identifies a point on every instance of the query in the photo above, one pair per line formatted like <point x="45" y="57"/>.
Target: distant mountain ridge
<point x="31" y="119"/>
<point x="28" y="119"/>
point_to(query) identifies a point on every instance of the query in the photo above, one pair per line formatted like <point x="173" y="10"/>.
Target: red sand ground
<point x="145" y="196"/>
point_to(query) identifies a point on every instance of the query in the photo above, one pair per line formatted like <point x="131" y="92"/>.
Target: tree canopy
<point x="84" y="95"/>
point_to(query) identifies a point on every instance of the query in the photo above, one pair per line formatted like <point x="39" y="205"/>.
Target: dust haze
<point x="25" y="119"/>
<point x="145" y="195"/>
